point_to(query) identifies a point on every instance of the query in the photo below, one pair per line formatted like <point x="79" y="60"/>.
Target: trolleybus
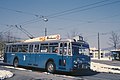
<point x="49" y="52"/>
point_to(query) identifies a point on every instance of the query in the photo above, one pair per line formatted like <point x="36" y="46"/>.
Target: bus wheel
<point x="15" y="62"/>
<point x="50" y="67"/>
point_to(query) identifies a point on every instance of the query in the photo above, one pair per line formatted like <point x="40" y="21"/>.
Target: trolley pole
<point x="98" y="46"/>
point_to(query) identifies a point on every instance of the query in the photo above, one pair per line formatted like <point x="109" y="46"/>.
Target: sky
<point x="85" y="17"/>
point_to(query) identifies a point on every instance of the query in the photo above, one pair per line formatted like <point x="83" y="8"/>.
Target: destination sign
<point x="44" y="38"/>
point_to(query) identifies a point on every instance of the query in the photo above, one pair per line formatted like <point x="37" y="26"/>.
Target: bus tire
<point x="50" y="67"/>
<point x="15" y="62"/>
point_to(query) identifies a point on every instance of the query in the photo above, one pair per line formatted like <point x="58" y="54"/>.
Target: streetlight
<point x="45" y="19"/>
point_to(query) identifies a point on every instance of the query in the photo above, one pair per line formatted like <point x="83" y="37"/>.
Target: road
<point x="36" y="74"/>
<point x="112" y="63"/>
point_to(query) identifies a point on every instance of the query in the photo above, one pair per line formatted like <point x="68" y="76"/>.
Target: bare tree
<point x="1" y="44"/>
<point x="114" y="40"/>
<point x="1" y="36"/>
<point x="6" y="38"/>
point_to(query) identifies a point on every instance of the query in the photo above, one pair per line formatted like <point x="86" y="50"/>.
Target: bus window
<point x="75" y="50"/>
<point x="36" y="48"/>
<point x="10" y="48"/>
<point x="53" y="47"/>
<point x="84" y="51"/>
<point x="69" y="49"/>
<point x="7" y="49"/>
<point x="14" y="48"/>
<point x="24" y="48"/>
<point x="31" y="48"/>
<point x="63" y="48"/>
<point x="44" y="48"/>
<point x="19" y="48"/>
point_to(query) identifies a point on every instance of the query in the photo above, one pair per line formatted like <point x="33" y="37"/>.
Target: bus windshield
<point x="78" y="48"/>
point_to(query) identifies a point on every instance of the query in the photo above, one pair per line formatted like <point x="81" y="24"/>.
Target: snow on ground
<point x="104" y="68"/>
<point x="5" y="74"/>
<point x="11" y="67"/>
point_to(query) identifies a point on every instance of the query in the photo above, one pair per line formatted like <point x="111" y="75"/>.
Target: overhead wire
<point x="103" y="34"/>
<point x="50" y="16"/>
<point x="40" y="18"/>
<point x="18" y="11"/>
<point x="78" y="9"/>
<point x="66" y="12"/>
<point x="9" y="27"/>
<point x="85" y="9"/>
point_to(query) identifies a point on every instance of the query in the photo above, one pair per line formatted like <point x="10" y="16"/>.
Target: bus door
<point x="23" y="54"/>
<point x="34" y="49"/>
<point x="30" y="55"/>
<point x="36" y="55"/>
<point x="63" y="55"/>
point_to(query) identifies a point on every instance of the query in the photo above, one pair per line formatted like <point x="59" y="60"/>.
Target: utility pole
<point x="98" y="46"/>
<point x="45" y="31"/>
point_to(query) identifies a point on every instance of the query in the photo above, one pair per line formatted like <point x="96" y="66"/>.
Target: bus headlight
<point x="75" y="62"/>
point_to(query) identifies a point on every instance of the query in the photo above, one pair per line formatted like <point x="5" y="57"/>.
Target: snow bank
<point x="11" y="67"/>
<point x="5" y="74"/>
<point x="104" y="68"/>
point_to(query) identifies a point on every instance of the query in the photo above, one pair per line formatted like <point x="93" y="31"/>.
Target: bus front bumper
<point x="81" y="67"/>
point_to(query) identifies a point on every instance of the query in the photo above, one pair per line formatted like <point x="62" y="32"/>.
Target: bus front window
<point x="75" y="50"/>
<point x="84" y="51"/>
<point x="78" y="48"/>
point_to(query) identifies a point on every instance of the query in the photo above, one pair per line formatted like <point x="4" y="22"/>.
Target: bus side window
<point x="44" y="48"/>
<point x="14" y="48"/>
<point x="7" y="49"/>
<point x="53" y="47"/>
<point x="65" y="48"/>
<point x="25" y="48"/>
<point x="61" y="48"/>
<point x="36" y="48"/>
<point x="19" y="48"/>
<point x="10" y="48"/>
<point x="69" y="49"/>
<point x="31" y="48"/>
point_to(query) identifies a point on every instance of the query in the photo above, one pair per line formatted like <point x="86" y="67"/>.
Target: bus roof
<point x="50" y="41"/>
<point x="47" y="39"/>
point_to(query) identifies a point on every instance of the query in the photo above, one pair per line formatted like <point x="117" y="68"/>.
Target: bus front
<point x="80" y="53"/>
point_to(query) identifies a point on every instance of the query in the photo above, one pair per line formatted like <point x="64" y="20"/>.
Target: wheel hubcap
<point x="50" y="68"/>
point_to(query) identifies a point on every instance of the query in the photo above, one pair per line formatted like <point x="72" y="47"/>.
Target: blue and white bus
<point x="50" y="53"/>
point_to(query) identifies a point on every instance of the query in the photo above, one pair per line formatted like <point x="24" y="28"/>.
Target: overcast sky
<point x="86" y="17"/>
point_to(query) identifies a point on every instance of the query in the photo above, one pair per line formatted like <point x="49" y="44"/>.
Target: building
<point x="116" y="54"/>
<point x="104" y="54"/>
